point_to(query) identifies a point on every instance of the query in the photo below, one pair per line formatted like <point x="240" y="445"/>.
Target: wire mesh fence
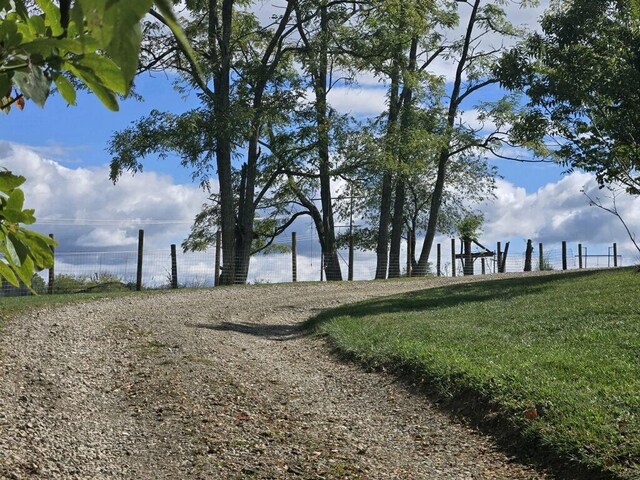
<point x="295" y="258"/>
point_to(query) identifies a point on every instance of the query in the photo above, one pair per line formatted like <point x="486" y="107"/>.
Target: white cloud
<point x="559" y="211"/>
<point x="359" y="101"/>
<point x="86" y="211"/>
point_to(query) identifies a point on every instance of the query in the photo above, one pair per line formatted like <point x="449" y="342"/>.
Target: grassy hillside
<point x="555" y="359"/>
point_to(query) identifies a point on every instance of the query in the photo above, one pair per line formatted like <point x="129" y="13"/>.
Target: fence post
<point x="52" y="270"/>
<point x="438" y="259"/>
<point x="504" y="257"/>
<point x="541" y="255"/>
<point x="484" y="267"/>
<point x="140" y="252"/>
<point x="528" y="255"/>
<point x="564" y="255"/>
<point x="409" y="253"/>
<point x="294" y="257"/>
<point x="174" y="267"/>
<point x="453" y="257"/>
<point x="579" y="255"/>
<point x="321" y="266"/>
<point x="216" y="274"/>
<point x="615" y="254"/>
<point x="499" y="252"/>
<point x="351" y="258"/>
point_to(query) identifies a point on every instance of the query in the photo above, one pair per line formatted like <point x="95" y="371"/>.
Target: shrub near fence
<point x="171" y="268"/>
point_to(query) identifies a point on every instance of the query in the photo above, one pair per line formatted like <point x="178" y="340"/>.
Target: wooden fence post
<point x="52" y="270"/>
<point x="541" y="257"/>
<point x="564" y="255"/>
<point x="140" y="253"/>
<point x="409" y="253"/>
<point x="504" y="257"/>
<point x="527" y="256"/>
<point x="579" y="255"/>
<point x="321" y="266"/>
<point x="499" y="253"/>
<point x="453" y="257"/>
<point x="294" y="257"/>
<point x="615" y="254"/>
<point x="438" y="259"/>
<point x="483" y="263"/>
<point x="174" y="267"/>
<point x="351" y="258"/>
<point x="216" y="275"/>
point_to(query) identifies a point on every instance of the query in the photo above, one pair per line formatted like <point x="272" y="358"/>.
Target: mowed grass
<point x="567" y="346"/>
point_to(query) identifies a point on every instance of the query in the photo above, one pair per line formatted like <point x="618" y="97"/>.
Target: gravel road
<point x="218" y="384"/>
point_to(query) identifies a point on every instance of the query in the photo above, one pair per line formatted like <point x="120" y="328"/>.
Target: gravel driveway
<point x="217" y="384"/>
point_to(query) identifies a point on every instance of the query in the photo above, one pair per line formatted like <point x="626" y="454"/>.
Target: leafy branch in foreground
<point x="96" y="42"/>
<point x="24" y="251"/>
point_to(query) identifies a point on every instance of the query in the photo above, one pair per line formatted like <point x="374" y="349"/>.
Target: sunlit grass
<point x="567" y="346"/>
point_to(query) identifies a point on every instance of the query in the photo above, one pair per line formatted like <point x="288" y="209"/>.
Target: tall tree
<point x="246" y="86"/>
<point x="397" y="41"/>
<point x="475" y="62"/>
<point x="319" y="55"/>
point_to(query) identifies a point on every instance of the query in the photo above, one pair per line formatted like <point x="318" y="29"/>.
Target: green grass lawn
<point x="567" y="346"/>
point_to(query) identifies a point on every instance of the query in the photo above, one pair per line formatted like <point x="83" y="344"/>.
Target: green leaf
<point x="124" y="45"/>
<point x="15" y="200"/>
<point x="52" y="13"/>
<point x="106" y="96"/>
<point x="25" y="271"/>
<point x="8" y="275"/>
<point x="39" y="247"/>
<point x="22" y="251"/>
<point x="34" y="84"/>
<point x="10" y="253"/>
<point x="106" y="70"/>
<point x="37" y="26"/>
<point x="66" y="89"/>
<point x="9" y="181"/>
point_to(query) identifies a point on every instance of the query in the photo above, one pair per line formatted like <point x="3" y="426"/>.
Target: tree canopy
<point x="581" y="75"/>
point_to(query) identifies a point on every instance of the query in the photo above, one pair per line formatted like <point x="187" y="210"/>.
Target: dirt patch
<point x="218" y="384"/>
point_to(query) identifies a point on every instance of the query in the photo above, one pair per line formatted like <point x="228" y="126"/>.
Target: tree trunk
<point x="331" y="261"/>
<point x="397" y="221"/>
<point x="222" y="110"/>
<point x="382" y="245"/>
<point x="397" y="225"/>
<point x="443" y="160"/>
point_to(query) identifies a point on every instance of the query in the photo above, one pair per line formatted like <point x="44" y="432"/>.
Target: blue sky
<point x="62" y="151"/>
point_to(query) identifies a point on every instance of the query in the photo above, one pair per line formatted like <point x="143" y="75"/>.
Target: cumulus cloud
<point x="560" y="211"/>
<point x="86" y="211"/>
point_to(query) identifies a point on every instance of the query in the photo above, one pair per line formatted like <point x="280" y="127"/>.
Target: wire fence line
<point x="296" y="258"/>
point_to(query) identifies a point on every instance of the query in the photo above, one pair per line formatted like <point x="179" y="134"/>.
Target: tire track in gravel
<point x="217" y="384"/>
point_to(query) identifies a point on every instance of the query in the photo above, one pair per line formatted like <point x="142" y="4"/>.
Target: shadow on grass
<point x="272" y="332"/>
<point x="472" y="405"/>
<point x="446" y="296"/>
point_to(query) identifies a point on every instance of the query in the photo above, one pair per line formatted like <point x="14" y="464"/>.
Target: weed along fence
<point x="299" y="258"/>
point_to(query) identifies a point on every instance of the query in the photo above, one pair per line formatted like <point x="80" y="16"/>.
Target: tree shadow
<point x="281" y="332"/>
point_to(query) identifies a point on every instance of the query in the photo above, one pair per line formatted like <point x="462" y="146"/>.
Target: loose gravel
<point x="218" y="384"/>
